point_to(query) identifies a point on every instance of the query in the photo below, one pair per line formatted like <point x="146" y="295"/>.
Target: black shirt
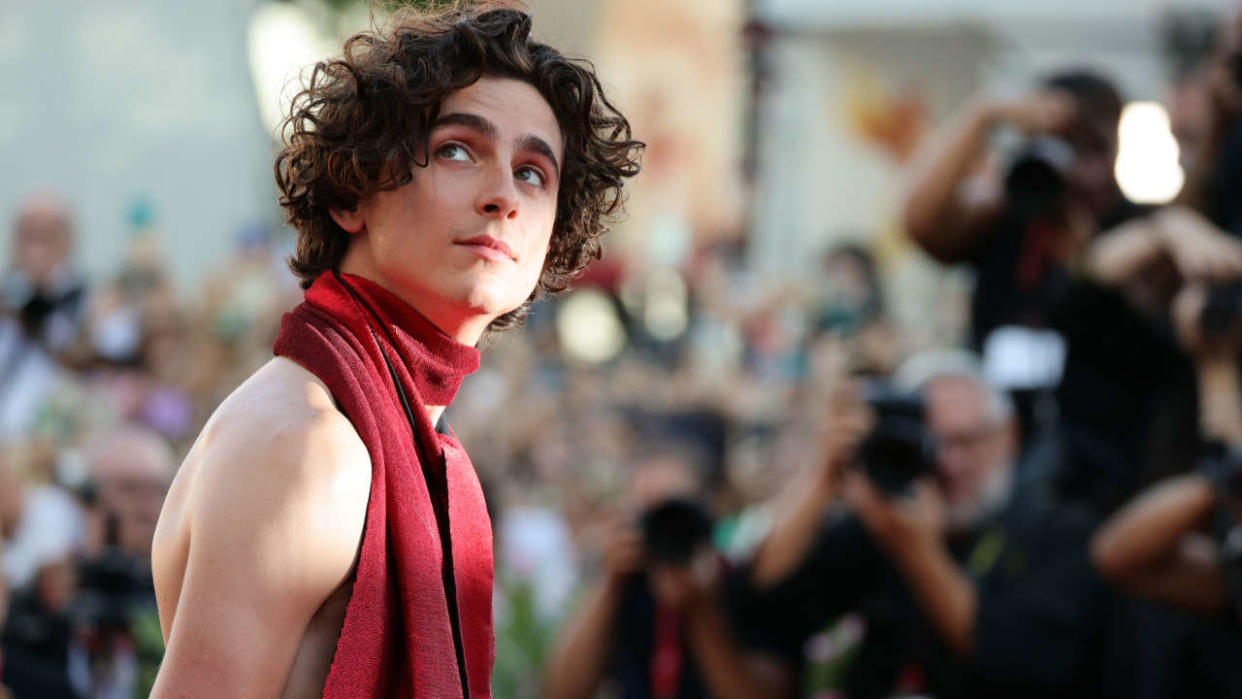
<point x="1128" y="399"/>
<point x="1039" y="607"/>
<point x="1018" y="281"/>
<point x="635" y="646"/>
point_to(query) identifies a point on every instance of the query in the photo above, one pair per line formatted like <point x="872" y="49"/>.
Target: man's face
<point x="1092" y="176"/>
<point x="1092" y="179"/>
<point x="973" y="449"/>
<point x="465" y="240"/>
<point x="132" y="477"/>
<point x="41" y="240"/>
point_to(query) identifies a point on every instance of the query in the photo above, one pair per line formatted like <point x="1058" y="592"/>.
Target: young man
<point x="324" y="537"/>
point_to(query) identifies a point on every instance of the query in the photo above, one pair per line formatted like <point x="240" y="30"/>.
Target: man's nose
<point x="499" y="195"/>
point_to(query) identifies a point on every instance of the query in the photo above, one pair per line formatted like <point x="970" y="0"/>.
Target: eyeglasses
<point x="969" y="440"/>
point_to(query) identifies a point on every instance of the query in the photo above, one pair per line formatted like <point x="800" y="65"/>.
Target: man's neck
<point x="434" y="412"/>
<point x="466" y="329"/>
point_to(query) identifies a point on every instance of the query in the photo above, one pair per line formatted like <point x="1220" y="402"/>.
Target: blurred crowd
<point x="756" y="489"/>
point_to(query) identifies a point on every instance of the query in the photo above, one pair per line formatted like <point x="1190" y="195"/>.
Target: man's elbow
<point x="932" y="236"/>
<point x="1107" y="557"/>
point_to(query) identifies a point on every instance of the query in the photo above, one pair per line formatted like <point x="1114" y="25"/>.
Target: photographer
<point x="970" y="585"/>
<point x="1214" y="160"/>
<point x="1159" y="546"/>
<point x="1128" y="406"/>
<point x="1173" y="544"/>
<point x="656" y="623"/>
<point x="1020" y="220"/>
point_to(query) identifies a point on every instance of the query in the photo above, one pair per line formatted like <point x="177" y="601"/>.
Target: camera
<point x="1223" y="466"/>
<point x="1222" y="311"/>
<point x="673" y="530"/>
<point x="1036" y="182"/>
<point x="899" y="449"/>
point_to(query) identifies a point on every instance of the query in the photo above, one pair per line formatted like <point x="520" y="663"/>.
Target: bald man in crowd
<point x="131" y="469"/>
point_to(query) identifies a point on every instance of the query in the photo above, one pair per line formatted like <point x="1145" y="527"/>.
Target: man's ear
<point x="350" y="220"/>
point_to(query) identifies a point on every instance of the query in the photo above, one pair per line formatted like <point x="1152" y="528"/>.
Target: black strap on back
<point x="437" y="488"/>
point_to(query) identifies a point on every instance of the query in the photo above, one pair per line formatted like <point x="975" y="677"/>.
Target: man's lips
<point x="489" y="247"/>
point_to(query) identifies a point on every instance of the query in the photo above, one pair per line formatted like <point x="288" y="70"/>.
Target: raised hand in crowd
<point x="802" y="505"/>
<point x="1161" y="546"/>
<point x="954" y="195"/>
<point x="1197" y="250"/>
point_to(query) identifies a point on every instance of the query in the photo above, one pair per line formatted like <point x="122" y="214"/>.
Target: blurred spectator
<point x="119" y="632"/>
<point x="51" y="527"/>
<point x="83" y="620"/>
<point x="1214" y="175"/>
<point x="657" y="623"/>
<point x="1127" y="401"/>
<point x="970" y="585"/>
<point x="131" y="469"/>
<point x="850" y="295"/>
<point x="41" y="312"/>
<point x="42" y="287"/>
<point x="1019" y="225"/>
<point x="39" y="633"/>
<point x="1177" y="543"/>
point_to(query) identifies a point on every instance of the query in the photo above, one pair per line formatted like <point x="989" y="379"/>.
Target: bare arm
<point x="800" y="508"/>
<point x="583" y="648"/>
<point x="580" y="656"/>
<point x="911" y="532"/>
<point x="1151" y="549"/>
<point x="949" y="206"/>
<point x="941" y="217"/>
<point x="1199" y="250"/>
<point x="10" y="500"/>
<point x="274" y="513"/>
<point x="727" y="670"/>
<point x="787" y="545"/>
<point x="944" y="593"/>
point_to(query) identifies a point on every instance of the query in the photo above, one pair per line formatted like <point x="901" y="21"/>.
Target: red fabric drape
<point x="397" y="639"/>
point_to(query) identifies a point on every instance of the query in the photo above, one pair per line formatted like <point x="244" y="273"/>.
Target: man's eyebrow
<point x="489" y="130"/>
<point x="472" y="121"/>
<point x="540" y="146"/>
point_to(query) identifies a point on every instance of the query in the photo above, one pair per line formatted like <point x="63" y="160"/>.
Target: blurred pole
<point x="757" y="36"/>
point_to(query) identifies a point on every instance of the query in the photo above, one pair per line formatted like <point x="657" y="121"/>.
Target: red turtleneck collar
<point x="442" y="361"/>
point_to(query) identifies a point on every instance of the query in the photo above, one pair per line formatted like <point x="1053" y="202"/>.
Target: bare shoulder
<point x="278" y="476"/>
<point x="261" y="526"/>
<point x="279" y="435"/>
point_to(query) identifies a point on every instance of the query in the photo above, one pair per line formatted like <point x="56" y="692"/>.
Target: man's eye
<point x="452" y="151"/>
<point x="531" y="176"/>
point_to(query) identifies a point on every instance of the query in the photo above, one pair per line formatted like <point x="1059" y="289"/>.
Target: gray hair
<point x="916" y="372"/>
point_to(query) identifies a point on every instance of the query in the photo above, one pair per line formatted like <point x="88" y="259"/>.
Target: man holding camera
<point x="657" y="622"/>
<point x="1177" y="544"/>
<point x="966" y="589"/>
<point x="1127" y="399"/>
<point x="1020" y="220"/>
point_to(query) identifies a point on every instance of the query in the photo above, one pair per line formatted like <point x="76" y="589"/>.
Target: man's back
<point x="256" y="546"/>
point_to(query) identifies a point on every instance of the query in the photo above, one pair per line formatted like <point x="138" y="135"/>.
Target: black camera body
<point x="899" y="448"/>
<point x="1036" y="182"/>
<point x="1222" y="311"/>
<point x="674" y="529"/>
<point x="1223" y="466"/>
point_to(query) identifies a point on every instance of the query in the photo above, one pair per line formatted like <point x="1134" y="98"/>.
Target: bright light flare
<point x="1147" y="169"/>
<point x="282" y="40"/>
<point x="588" y="327"/>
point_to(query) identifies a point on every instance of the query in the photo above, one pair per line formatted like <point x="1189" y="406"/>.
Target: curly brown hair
<point x="358" y="124"/>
